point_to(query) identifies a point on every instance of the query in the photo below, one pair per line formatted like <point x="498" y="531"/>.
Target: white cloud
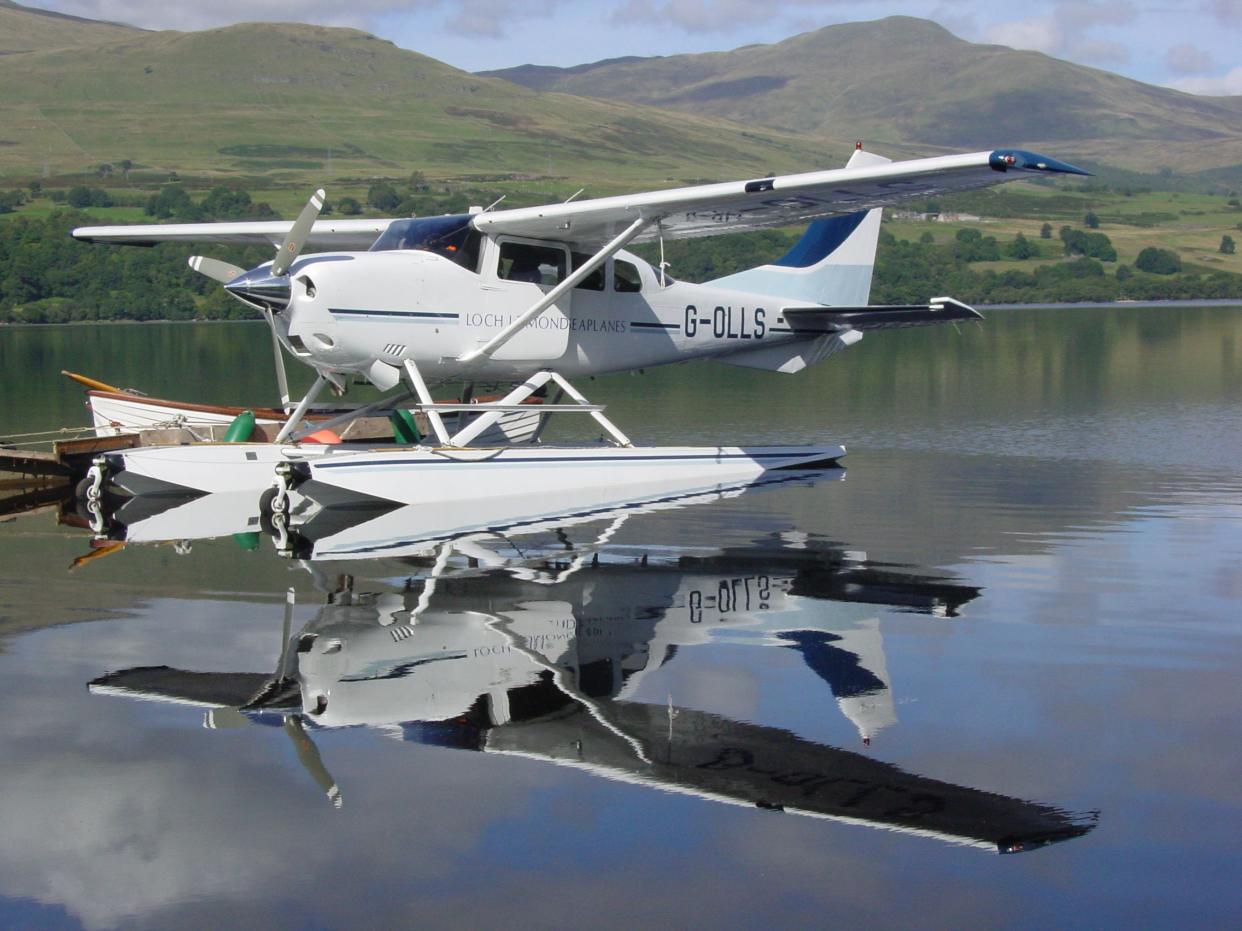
<point x="493" y="19"/>
<point x="958" y="19"/>
<point x="1185" y="58"/>
<point x="1228" y="12"/>
<point x="1076" y="16"/>
<point x="1066" y="32"/>
<point x="691" y="15"/>
<point x="1040" y="34"/>
<point x="726" y="16"/>
<point x="1226" y="84"/>
<point x="1102" y="53"/>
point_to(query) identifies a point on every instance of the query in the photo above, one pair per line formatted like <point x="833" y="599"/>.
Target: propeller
<point x="219" y="271"/>
<point x="296" y="239"/>
<point x="268" y="290"/>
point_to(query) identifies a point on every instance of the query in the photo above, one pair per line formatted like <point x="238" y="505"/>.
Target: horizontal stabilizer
<point x="813" y="321"/>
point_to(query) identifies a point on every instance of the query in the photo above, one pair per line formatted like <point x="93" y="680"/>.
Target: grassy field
<point x="1190" y="224"/>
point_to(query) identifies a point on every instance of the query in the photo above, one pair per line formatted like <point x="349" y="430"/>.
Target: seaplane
<point x="533" y="297"/>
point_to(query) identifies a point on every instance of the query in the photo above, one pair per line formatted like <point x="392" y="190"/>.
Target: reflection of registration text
<point x="748" y="593"/>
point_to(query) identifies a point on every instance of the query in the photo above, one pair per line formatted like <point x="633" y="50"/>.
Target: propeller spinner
<point x="266" y="288"/>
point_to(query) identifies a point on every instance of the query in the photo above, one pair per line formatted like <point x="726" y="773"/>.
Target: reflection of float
<point x="545" y="658"/>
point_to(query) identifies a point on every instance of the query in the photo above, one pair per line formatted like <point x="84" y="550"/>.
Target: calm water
<point x="825" y="701"/>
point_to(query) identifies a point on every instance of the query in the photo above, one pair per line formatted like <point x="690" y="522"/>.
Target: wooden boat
<point x="115" y="411"/>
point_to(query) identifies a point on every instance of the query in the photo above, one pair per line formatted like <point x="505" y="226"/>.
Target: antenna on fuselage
<point x="494" y="204"/>
<point x="574" y="194"/>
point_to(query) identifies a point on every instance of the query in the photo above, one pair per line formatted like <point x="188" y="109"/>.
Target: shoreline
<point x="1104" y="305"/>
<point x="1083" y="305"/>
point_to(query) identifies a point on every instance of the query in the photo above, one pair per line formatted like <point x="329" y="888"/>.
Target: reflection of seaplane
<point x="535" y="296"/>
<point x="548" y="661"/>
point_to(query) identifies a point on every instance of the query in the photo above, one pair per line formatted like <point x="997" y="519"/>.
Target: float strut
<point x="300" y="411"/>
<point x="424" y="398"/>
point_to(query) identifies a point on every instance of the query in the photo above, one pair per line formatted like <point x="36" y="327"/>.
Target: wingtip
<point x="1022" y="160"/>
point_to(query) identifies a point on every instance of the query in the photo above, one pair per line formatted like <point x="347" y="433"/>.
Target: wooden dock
<point x="31" y="479"/>
<point x="31" y="467"/>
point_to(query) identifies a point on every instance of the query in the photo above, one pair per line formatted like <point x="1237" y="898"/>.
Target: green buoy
<point x="241" y="428"/>
<point x="404" y="427"/>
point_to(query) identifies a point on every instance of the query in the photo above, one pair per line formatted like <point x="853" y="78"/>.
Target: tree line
<point x="48" y="277"/>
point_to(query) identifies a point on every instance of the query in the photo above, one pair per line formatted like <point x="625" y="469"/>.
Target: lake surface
<point x="1011" y="624"/>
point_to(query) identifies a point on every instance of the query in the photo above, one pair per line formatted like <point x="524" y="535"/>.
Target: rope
<point x="52" y="433"/>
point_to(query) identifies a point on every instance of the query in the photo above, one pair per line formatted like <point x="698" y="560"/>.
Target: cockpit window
<point x="451" y="237"/>
<point x="625" y="277"/>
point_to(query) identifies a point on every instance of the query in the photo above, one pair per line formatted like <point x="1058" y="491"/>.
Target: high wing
<point x="703" y="210"/>
<point x="785" y="200"/>
<point x="326" y="234"/>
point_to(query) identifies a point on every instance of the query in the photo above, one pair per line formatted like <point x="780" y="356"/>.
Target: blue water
<point x="1016" y="611"/>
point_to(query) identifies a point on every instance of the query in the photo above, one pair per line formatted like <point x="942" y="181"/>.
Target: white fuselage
<point x="350" y="309"/>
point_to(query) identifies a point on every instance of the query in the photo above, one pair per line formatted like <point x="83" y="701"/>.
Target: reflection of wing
<point x="326" y="234"/>
<point x="712" y="757"/>
<point x="736" y="206"/>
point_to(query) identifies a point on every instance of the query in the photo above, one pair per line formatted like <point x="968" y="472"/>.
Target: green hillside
<point x="909" y="81"/>
<point x="24" y="29"/>
<point x="292" y="102"/>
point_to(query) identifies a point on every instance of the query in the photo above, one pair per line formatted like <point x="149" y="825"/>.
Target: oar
<point x="91" y="382"/>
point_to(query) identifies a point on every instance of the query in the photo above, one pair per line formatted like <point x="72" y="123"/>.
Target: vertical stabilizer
<point x="831" y="264"/>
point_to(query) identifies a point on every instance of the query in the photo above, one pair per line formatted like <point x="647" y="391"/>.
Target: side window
<point x="625" y="277"/>
<point x="593" y="281"/>
<point x="521" y="261"/>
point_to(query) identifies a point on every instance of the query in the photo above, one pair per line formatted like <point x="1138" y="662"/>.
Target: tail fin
<point x="831" y="264"/>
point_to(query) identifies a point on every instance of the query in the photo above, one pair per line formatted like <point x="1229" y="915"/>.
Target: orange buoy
<point x="325" y="436"/>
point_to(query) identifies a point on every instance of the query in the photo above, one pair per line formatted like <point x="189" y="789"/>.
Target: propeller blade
<point x="219" y="271"/>
<point x="296" y="239"/>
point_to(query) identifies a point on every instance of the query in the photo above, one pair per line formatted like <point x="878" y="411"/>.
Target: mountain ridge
<point x="26" y="29"/>
<point x="291" y="99"/>
<point x="861" y="76"/>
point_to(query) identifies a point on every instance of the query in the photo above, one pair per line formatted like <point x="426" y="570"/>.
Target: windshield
<point x="450" y="236"/>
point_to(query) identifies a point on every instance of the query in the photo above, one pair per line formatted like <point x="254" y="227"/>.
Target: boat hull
<point x="117" y="412"/>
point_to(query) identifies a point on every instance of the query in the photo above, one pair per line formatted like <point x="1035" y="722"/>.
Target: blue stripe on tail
<point x="820" y="240"/>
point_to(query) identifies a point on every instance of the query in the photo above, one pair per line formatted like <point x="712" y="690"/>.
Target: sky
<point x="1193" y="45"/>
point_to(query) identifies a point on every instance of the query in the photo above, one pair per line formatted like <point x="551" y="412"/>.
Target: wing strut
<point x="617" y="244"/>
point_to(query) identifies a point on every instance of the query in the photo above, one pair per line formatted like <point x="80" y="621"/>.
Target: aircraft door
<point x="518" y="272"/>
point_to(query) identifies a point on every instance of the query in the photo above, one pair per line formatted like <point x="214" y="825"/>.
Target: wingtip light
<point x="1020" y="159"/>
